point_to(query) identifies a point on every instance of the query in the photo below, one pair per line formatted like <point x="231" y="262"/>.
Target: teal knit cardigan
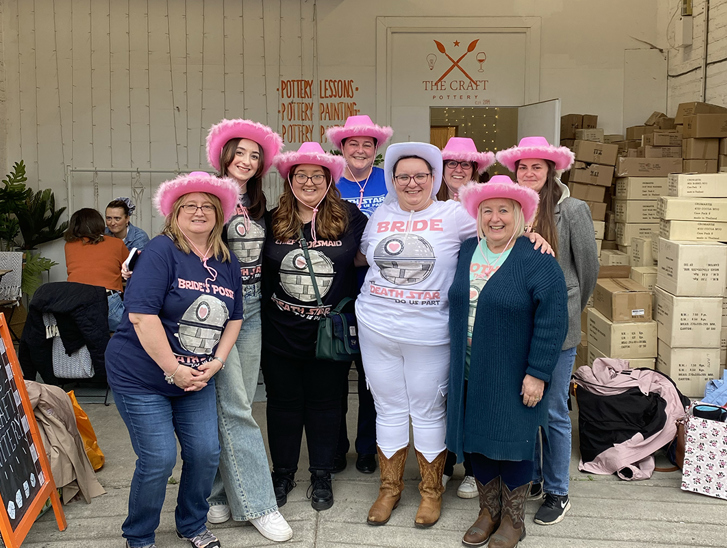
<point x="521" y="323"/>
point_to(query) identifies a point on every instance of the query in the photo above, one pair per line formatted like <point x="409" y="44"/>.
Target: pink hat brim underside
<point x="472" y="195"/>
<point x="335" y="164"/>
<point x="561" y="156"/>
<point x="483" y="159"/>
<point x="169" y="192"/>
<point x="219" y="134"/>
<point x="337" y="134"/>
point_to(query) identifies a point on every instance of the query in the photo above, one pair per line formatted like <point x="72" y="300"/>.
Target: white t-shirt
<point x="412" y="260"/>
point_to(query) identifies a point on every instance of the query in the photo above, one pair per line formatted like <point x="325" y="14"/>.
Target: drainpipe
<point x="704" y="56"/>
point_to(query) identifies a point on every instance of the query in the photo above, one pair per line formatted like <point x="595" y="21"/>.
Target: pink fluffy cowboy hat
<point x="219" y="134"/>
<point x="197" y="181"/>
<point x="536" y="147"/>
<point x="310" y="153"/>
<point x="500" y="186"/>
<point x="359" y="126"/>
<point x="463" y="149"/>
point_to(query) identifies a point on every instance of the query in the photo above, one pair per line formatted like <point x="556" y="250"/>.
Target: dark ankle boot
<point x="392" y="484"/>
<point x="489" y="518"/>
<point x="283" y="483"/>
<point x="320" y="491"/>
<point x="431" y="489"/>
<point x="512" y="521"/>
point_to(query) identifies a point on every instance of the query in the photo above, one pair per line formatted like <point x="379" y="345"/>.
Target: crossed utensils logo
<point x="432" y="59"/>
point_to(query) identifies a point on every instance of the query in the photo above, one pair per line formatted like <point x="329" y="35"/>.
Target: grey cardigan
<point x="577" y="257"/>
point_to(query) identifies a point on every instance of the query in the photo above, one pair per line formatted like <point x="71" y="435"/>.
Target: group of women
<point x="465" y="329"/>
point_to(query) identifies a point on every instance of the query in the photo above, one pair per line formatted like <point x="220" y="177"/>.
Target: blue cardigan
<point x="521" y="323"/>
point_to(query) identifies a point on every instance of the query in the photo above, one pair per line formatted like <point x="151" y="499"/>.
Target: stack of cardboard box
<point x="591" y="176"/>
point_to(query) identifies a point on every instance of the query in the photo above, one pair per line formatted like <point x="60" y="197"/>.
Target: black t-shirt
<point x="245" y="237"/>
<point x="290" y="313"/>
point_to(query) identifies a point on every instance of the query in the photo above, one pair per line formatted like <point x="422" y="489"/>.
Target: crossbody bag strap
<point x="304" y="245"/>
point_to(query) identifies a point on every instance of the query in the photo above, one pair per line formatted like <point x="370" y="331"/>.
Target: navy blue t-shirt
<point x="374" y="191"/>
<point x="193" y="308"/>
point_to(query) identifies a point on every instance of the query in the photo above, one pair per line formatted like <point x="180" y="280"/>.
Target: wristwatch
<point x="219" y="360"/>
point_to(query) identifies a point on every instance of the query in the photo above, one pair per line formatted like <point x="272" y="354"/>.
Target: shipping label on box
<point x="634" y="363"/>
<point x="623" y="339"/>
<point x="640" y="167"/>
<point x="641" y="252"/>
<point x="700" y="149"/>
<point x="706" y="185"/>
<point x="641" y="188"/>
<point x="636" y="211"/>
<point x="692" y="209"/>
<point x="623" y="300"/>
<point x="587" y="193"/>
<point x="705" y="125"/>
<point x="597" y="153"/>
<point x="662" y="152"/>
<point x="693" y="231"/>
<point x="692" y="268"/>
<point x="689" y="368"/>
<point x="598" y="210"/>
<point x="688" y="321"/>
<point x="644" y="275"/>
<point x="590" y="134"/>
<point x="662" y="139"/>
<point x="591" y="174"/>
<point x="599" y="229"/>
<point x="699" y="166"/>
<point x="626" y="231"/>
<point x="614" y="257"/>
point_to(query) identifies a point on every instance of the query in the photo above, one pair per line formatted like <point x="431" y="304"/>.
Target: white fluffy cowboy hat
<point x="428" y="152"/>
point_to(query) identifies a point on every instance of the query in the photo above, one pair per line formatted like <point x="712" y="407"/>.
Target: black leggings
<point x="514" y="473"/>
<point x="302" y="393"/>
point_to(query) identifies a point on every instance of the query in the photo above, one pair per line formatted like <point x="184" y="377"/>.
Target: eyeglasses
<point x="452" y="164"/>
<point x="302" y="178"/>
<point x="419" y="178"/>
<point x="192" y="209"/>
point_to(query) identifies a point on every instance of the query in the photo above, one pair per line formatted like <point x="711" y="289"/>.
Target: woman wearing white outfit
<point x="411" y="244"/>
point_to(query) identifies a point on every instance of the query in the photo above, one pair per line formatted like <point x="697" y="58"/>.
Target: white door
<point x="541" y="119"/>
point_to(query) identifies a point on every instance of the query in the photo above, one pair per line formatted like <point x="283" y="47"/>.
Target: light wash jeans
<point x="116" y="310"/>
<point x="243" y="479"/>
<point x="556" y="447"/>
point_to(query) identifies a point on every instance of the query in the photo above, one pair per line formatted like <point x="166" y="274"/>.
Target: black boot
<point x="320" y="491"/>
<point x="283" y="483"/>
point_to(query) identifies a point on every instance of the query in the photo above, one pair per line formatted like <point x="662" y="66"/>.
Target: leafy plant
<point x="34" y="267"/>
<point x="38" y="220"/>
<point x="13" y="195"/>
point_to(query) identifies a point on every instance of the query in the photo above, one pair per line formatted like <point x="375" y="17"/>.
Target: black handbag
<point x="338" y="331"/>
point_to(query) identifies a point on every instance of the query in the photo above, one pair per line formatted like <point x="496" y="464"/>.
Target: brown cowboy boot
<point x="489" y="518"/>
<point x="512" y="520"/>
<point x="392" y="484"/>
<point x="431" y="489"/>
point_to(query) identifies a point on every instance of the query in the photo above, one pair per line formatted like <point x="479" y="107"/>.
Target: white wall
<point x="135" y="84"/>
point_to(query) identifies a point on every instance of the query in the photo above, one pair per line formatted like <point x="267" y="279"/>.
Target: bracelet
<point x="219" y="360"/>
<point x="170" y="378"/>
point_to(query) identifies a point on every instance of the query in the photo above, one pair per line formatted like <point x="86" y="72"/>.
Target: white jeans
<point x="407" y="380"/>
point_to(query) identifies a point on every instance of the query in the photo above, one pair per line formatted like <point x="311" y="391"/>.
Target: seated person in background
<point x="119" y="226"/>
<point x="94" y="260"/>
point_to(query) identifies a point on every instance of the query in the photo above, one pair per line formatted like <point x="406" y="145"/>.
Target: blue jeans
<point x="152" y="421"/>
<point x="243" y="480"/>
<point x="116" y="310"/>
<point x="556" y="447"/>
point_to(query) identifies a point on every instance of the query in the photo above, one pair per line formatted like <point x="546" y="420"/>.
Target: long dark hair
<point x="544" y="223"/>
<point x="85" y="224"/>
<point x="255" y="193"/>
<point x="443" y="194"/>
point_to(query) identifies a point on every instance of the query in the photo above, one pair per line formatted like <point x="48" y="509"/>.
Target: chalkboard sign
<point x="25" y="478"/>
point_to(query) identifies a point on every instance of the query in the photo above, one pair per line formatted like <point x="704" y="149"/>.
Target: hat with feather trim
<point x="359" y="126"/>
<point x="222" y="132"/>
<point x="198" y="181"/>
<point x="536" y="147"/>
<point x="309" y="153"/>
<point x="500" y="186"/>
<point x="463" y="149"/>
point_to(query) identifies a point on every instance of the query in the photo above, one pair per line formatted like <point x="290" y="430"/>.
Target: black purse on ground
<point x="338" y="331"/>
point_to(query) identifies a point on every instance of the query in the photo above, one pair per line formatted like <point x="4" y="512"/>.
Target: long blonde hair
<point x="517" y="212"/>
<point x="214" y="241"/>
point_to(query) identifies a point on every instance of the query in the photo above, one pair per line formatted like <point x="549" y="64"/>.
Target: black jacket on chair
<point x="81" y="312"/>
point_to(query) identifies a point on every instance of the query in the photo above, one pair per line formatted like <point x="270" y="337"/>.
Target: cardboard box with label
<point x="660" y="152"/>
<point x="590" y="134"/>
<point x="635" y="211"/>
<point x="705" y="185"/>
<point x="699" y="166"/>
<point x="634" y="363"/>
<point x="705" y="126"/>
<point x="591" y="174"/>
<point x="644" y="275"/>
<point x="612" y="138"/>
<point x="692" y="269"/>
<point x="613" y="257"/>
<point x="662" y="139"/>
<point x="596" y="153"/>
<point x="700" y="149"/>
<point x="642" y="167"/>
<point x="598" y="210"/>
<point x="587" y="193"/>
<point x="569" y="124"/>
<point x="671" y="208"/>
<point x="689" y="109"/>
<point x="641" y="188"/>
<point x="626" y="231"/>
<point x="599" y="229"/>
<point x="590" y="121"/>
<point x="693" y="231"/>
<point x="688" y="321"/>
<point x="622" y="300"/>
<point x="640" y="253"/>
<point x="724" y="311"/>
<point x="689" y="368"/>
<point x="622" y="339"/>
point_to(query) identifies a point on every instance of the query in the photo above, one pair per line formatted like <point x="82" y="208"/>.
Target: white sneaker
<point x="445" y="480"/>
<point x="219" y="513"/>
<point x="468" y="488"/>
<point x="273" y="527"/>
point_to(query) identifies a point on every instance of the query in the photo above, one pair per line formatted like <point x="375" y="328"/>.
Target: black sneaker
<point x="320" y="491"/>
<point x="204" y="540"/>
<point x="553" y="509"/>
<point x="282" y="485"/>
<point x="536" y="491"/>
<point x="339" y="463"/>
